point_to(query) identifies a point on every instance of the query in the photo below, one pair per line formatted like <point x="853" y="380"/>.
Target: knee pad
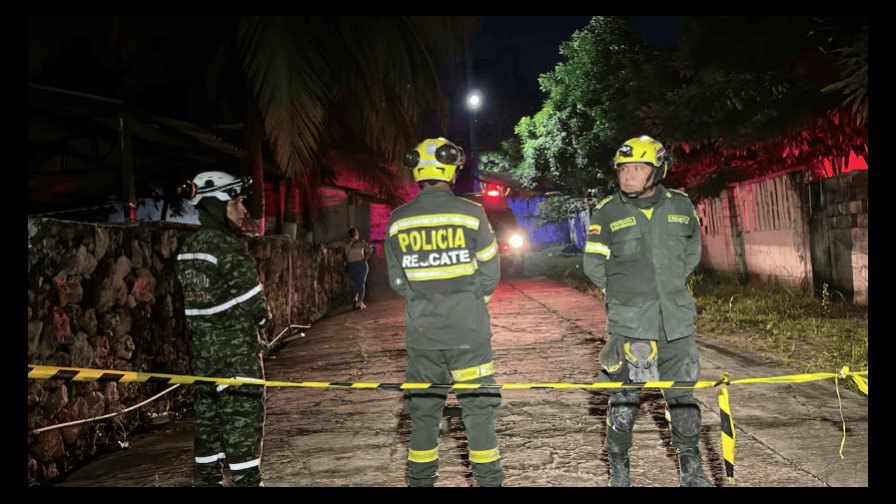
<point x="685" y="419"/>
<point x="621" y="417"/>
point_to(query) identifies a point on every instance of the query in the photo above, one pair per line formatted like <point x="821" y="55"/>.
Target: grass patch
<point x="806" y="333"/>
<point x="809" y="334"/>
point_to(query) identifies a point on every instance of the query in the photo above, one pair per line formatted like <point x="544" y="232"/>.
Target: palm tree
<point x="349" y="84"/>
<point x="303" y="87"/>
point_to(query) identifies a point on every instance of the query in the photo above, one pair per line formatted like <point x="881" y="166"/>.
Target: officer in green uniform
<point x="225" y="307"/>
<point x="642" y="244"/>
<point x="443" y="259"/>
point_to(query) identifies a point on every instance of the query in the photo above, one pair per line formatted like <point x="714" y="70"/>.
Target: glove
<point x="642" y="359"/>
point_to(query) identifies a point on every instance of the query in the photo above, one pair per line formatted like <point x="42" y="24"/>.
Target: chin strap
<point x="638" y="194"/>
<point x="647" y="187"/>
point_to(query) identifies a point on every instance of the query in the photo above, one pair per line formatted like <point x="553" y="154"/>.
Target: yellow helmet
<point x="434" y="159"/>
<point x="644" y="149"/>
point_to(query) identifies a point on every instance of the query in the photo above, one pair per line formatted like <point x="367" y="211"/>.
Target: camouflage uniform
<point x="225" y="306"/>
<point x="443" y="259"/>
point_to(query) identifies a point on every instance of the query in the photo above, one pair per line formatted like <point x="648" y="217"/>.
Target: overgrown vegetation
<point x="809" y="334"/>
<point x="728" y="111"/>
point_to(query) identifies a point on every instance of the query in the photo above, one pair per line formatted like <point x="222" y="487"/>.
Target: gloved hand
<point x="642" y="361"/>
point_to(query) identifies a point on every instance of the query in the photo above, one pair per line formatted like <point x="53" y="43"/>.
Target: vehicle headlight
<point x="516" y="241"/>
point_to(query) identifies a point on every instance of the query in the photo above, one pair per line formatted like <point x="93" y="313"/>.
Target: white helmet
<point x="221" y="185"/>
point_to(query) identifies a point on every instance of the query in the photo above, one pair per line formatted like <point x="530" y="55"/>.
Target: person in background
<point x="357" y="252"/>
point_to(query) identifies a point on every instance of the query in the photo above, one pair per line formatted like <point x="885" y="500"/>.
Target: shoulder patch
<point x="623" y="223"/>
<point x="604" y="201"/>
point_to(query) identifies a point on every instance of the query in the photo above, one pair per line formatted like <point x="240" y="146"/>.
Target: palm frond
<point x="291" y="81"/>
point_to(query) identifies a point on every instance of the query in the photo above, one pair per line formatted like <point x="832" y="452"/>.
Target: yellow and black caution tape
<point x="105" y="375"/>
<point x="857" y="377"/>
<point x="727" y="427"/>
<point x="862" y="383"/>
<point x="727" y="430"/>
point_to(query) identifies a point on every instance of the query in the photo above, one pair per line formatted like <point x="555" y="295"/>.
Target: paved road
<point x="788" y="435"/>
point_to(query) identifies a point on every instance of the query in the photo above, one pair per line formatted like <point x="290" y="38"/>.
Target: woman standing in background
<point x="357" y="252"/>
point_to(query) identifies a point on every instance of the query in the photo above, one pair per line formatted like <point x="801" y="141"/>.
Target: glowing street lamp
<point x="474" y="101"/>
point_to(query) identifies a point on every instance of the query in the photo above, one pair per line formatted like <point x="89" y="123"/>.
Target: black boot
<point x="250" y="477"/>
<point x="692" y="469"/>
<point x="619" y="465"/>
<point x="210" y="475"/>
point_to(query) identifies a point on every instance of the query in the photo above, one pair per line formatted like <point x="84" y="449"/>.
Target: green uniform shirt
<point x="643" y="263"/>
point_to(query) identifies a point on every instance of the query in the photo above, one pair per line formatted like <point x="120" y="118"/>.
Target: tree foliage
<point x="729" y="104"/>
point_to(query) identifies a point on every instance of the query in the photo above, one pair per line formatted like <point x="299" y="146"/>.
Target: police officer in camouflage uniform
<point x="225" y="307"/>
<point x="443" y="259"/>
<point x="642" y="244"/>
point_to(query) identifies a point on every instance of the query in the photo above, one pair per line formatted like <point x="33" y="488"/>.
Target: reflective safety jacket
<point x="443" y="259"/>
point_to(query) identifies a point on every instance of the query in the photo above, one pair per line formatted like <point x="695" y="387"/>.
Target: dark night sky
<point x="658" y="30"/>
<point x="509" y="53"/>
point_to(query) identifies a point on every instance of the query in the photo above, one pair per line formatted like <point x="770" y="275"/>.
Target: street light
<point x="474" y="101"/>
